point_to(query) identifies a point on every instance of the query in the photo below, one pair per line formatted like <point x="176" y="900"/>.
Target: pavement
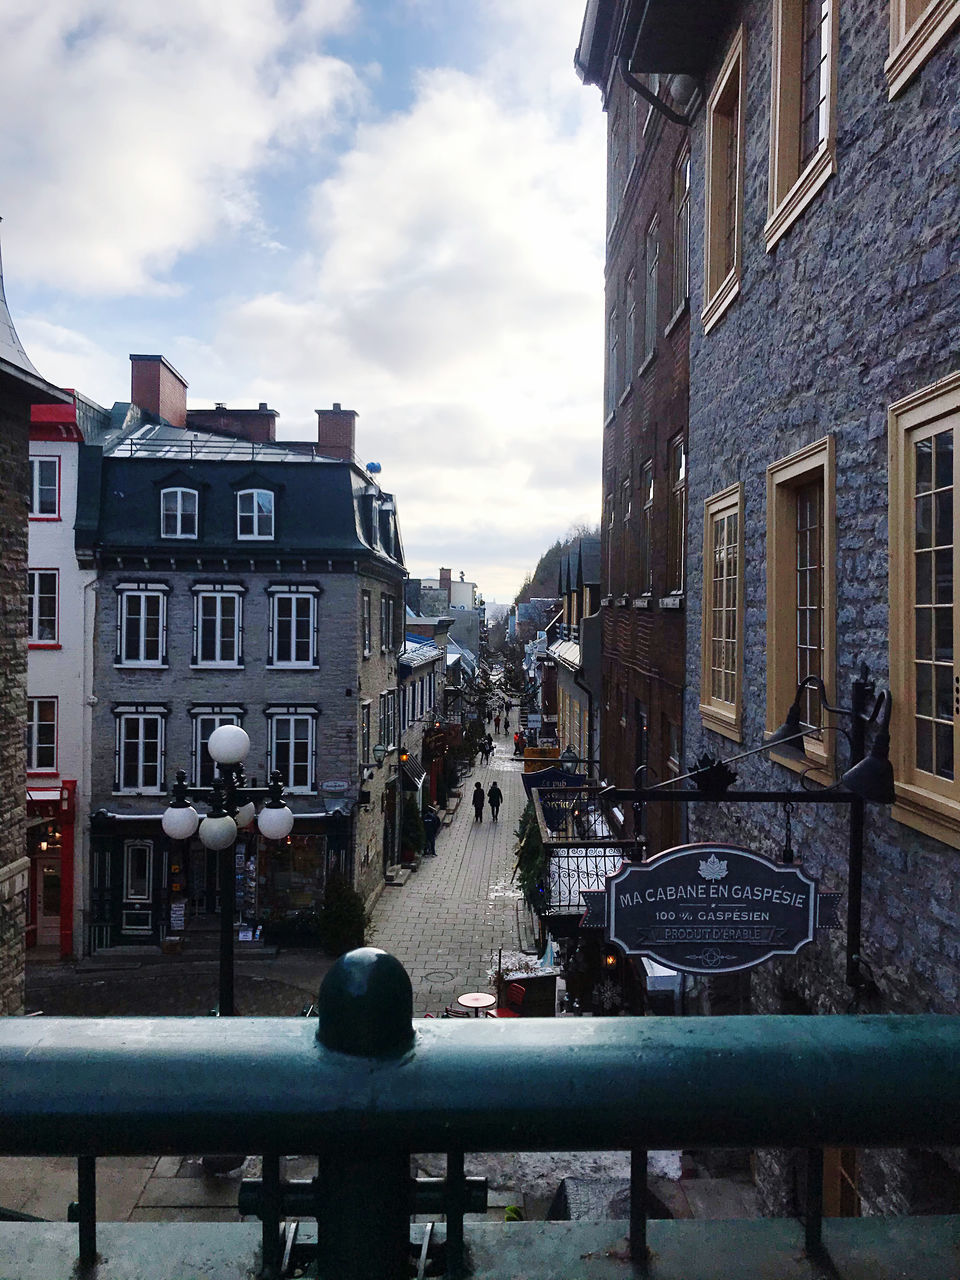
<point x="446" y="924"/>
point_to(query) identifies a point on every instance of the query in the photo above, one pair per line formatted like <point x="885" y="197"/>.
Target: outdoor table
<point x="477" y="1000"/>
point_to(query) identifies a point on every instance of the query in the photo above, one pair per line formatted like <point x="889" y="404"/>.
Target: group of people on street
<point x="493" y="797"/>
<point x="519" y="743"/>
<point x="486" y="748"/>
<point x="501" y="713"/>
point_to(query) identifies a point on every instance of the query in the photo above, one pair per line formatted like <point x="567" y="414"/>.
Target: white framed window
<point x="917" y="29"/>
<point x="41" y="735"/>
<point x="44" y="496"/>
<point x="364" y="733"/>
<point x="613" y="361"/>
<point x="138" y="871"/>
<point x="255" y="514"/>
<point x="292" y="746"/>
<point x="388" y="608"/>
<point x="724" y="185"/>
<point x="366" y="624"/>
<point x="205" y="720"/>
<point x="676" y="514"/>
<point x="651" y="267"/>
<point x="42" y="595"/>
<point x="293" y="626"/>
<point x="178" y="513"/>
<point x="218" y="626"/>
<point x="721" y="655"/>
<point x="141" y="624"/>
<point x="388" y="718"/>
<point x="681" y="230"/>
<point x="139" y="750"/>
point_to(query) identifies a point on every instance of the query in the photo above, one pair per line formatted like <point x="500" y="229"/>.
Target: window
<point x="293" y="626"/>
<point x="652" y="82"/>
<point x="801" y="590"/>
<point x="44" y="497"/>
<point x="205" y="720"/>
<point x="646" y="529"/>
<point x="924" y="608"/>
<point x="139" y="750"/>
<point x="613" y="362"/>
<point x="178" y="513"/>
<point x="218" y="626"/>
<point x="292" y="746"/>
<point x="630" y="337"/>
<point x="917" y="28"/>
<point x="724" y="180"/>
<point x="722" y="643"/>
<point x="614" y="167"/>
<point x="388" y="607"/>
<point x="388" y="718"/>
<point x="676" y="515"/>
<point x="137" y="870"/>
<point x="681" y="231"/>
<point x="42" y="591"/>
<point x="141" y="625"/>
<point x="651" y="261"/>
<point x="255" y="514"/>
<point x="366" y="624"/>
<point x="803" y="152"/>
<point x="626" y="499"/>
<point x="364" y="733"/>
<point x="41" y="735"/>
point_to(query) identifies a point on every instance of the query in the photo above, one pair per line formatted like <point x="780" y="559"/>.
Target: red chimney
<point x="445" y="583"/>
<point x="336" y="433"/>
<point x="156" y="386"/>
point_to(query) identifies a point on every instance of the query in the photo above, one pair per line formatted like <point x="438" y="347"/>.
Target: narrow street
<point x="448" y="921"/>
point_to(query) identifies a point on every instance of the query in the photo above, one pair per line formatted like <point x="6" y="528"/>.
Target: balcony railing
<point x="364" y="1087"/>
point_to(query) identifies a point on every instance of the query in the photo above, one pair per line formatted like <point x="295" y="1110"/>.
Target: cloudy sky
<point x="393" y="204"/>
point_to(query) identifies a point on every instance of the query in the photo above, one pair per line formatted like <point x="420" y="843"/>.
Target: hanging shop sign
<point x="560" y="793"/>
<point x="710" y="908"/>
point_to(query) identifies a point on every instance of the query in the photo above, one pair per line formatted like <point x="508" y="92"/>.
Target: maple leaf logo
<point x="713" y="868"/>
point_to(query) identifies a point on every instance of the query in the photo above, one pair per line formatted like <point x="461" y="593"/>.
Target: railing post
<point x="813" y="1206"/>
<point x="87" y="1211"/>
<point x="638" y="1206"/>
<point x="365" y="1009"/>
<point x="271" y="1212"/>
<point x="456" y="1195"/>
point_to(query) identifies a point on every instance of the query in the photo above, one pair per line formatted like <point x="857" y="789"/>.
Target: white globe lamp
<point x="245" y="815"/>
<point x="275" y="822"/>
<point x="180" y="822"/>
<point x="218" y="832"/>
<point x="228" y="744"/>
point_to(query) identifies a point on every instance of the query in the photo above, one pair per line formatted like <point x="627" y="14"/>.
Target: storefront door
<point x="48" y="901"/>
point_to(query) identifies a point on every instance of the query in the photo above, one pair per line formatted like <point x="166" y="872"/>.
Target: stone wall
<point x="14" y="430"/>
<point x="854" y="308"/>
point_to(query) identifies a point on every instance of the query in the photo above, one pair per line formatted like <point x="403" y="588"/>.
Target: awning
<point x="413" y="770"/>
<point x="44" y="795"/>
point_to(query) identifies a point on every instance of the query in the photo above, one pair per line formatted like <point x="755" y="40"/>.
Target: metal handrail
<point x="364" y="1086"/>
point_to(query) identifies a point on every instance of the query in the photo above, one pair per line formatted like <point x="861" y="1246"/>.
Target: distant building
<point x="573" y="647"/>
<point x="239" y="581"/>
<point x="20" y="387"/>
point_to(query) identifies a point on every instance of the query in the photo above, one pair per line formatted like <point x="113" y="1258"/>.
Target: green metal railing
<point x="365" y="1086"/>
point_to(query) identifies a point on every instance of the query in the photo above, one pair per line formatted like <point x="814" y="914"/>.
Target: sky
<point x="396" y="205"/>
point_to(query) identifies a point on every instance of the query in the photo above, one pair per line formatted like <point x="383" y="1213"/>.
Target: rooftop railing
<point x="364" y="1086"/>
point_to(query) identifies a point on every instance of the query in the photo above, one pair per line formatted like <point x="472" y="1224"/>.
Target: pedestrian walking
<point x="478" y="799"/>
<point x="516" y="744"/>
<point x="489" y="746"/>
<point x="522" y="739"/>
<point x="494" y="799"/>
<point x="496" y="723"/>
<point x="431" y="825"/>
<point x="506" y="726"/>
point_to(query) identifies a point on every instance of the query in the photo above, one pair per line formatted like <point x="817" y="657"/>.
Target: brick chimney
<point x="336" y="433"/>
<point x="445" y="584"/>
<point x="258" y="425"/>
<point x="156" y="387"/>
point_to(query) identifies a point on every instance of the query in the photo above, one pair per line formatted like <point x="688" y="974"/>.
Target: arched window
<point x="178" y="513"/>
<point x="255" y="513"/>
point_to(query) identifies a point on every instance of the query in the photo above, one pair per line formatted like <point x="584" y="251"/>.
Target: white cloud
<point x="143" y="127"/>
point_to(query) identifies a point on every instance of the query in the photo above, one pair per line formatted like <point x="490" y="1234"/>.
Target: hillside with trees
<point x="542" y="583"/>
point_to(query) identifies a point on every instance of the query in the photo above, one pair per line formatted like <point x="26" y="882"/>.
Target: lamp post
<point x="232" y="806"/>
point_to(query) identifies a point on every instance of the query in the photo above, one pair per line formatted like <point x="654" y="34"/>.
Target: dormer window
<point x="255" y="514"/>
<point x="178" y="513"/>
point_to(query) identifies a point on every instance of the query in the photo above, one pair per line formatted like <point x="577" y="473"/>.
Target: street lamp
<point x="569" y="760"/>
<point x="232" y="806"/>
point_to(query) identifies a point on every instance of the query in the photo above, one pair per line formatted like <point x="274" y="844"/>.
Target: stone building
<point x="247" y="582"/>
<point x="20" y="387"/>
<point x="573" y="651"/>
<point x="824" y="403"/>
<point x="645" y="409"/>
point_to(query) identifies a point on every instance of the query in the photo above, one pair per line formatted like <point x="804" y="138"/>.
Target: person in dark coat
<point x="496" y="723"/>
<point x="494" y="799"/>
<point x="478" y="799"/>
<point x="431" y="825"/>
